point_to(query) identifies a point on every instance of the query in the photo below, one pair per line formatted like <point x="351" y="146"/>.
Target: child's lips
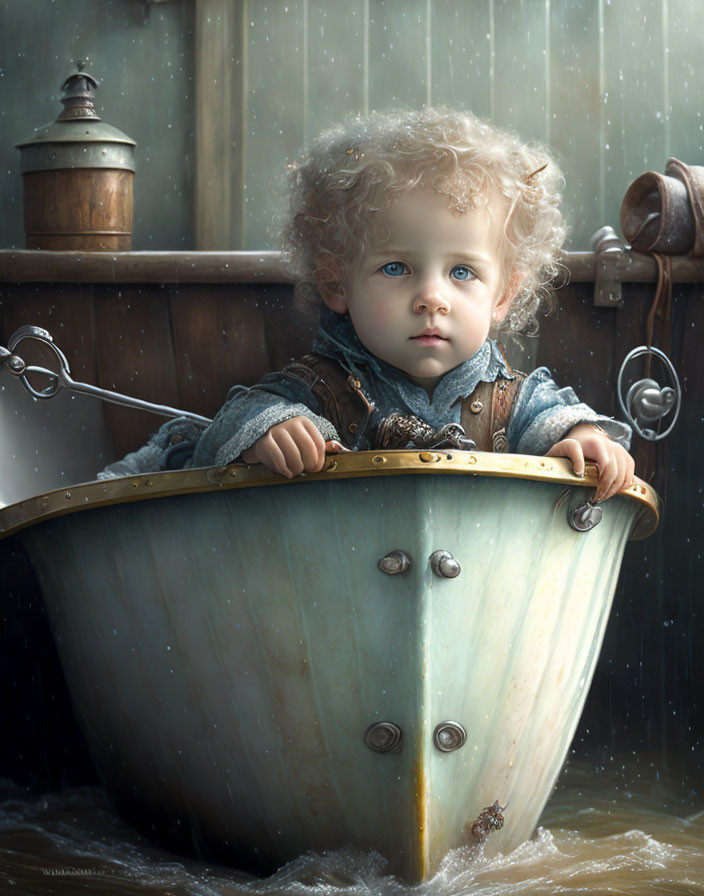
<point x="432" y="338"/>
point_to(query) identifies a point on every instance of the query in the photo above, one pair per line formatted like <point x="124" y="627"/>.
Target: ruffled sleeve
<point x="543" y="414"/>
<point x="248" y="413"/>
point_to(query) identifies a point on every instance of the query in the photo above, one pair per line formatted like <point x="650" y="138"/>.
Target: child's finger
<point x="312" y="431"/>
<point x="311" y="455"/>
<point x="318" y="443"/>
<point x="572" y="450"/>
<point x="332" y="446"/>
<point x="626" y="471"/>
<point x="270" y="454"/>
<point x="631" y="471"/>
<point x="293" y="462"/>
<point x="608" y="473"/>
<point x="249" y="455"/>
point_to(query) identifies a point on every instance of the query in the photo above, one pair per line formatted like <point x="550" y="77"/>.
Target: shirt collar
<point x="337" y="339"/>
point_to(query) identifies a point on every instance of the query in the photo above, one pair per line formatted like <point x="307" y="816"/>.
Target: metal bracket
<point x="647" y="404"/>
<point x="608" y="248"/>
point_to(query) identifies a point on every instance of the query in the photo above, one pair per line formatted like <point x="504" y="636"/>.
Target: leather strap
<point x="485" y="413"/>
<point x="476" y="416"/>
<point x="340" y="395"/>
<point x="662" y="306"/>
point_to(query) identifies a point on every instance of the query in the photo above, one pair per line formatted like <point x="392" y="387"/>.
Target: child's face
<point x="424" y="299"/>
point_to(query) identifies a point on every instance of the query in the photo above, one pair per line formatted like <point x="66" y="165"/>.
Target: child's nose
<point x="431" y="301"/>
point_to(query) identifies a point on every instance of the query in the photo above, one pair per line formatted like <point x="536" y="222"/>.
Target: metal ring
<point x="58" y="379"/>
<point x="636" y="353"/>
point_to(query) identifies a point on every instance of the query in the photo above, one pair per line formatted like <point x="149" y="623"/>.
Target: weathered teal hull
<point x="226" y="652"/>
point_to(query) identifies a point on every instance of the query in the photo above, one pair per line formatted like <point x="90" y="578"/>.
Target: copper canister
<point x="78" y="174"/>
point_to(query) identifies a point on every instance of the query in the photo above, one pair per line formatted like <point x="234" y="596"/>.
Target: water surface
<point x="625" y="829"/>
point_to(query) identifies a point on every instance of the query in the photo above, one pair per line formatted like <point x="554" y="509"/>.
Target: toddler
<point x="411" y="237"/>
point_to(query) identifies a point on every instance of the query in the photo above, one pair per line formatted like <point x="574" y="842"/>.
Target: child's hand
<point x="289" y="448"/>
<point x="616" y="466"/>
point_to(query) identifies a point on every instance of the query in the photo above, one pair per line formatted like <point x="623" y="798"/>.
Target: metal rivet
<point x="476" y="406"/>
<point x="353" y="427"/>
<point x="394" y="563"/>
<point x="383" y="737"/>
<point x="444" y="565"/>
<point x="449" y="736"/>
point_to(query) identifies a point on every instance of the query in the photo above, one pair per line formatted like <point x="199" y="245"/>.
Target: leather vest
<point x="484" y="414"/>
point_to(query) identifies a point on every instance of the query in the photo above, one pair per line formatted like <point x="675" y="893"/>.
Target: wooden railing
<point x="25" y="266"/>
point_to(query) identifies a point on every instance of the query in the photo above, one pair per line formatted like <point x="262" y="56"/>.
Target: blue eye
<point x="394" y="268"/>
<point x="462" y="272"/>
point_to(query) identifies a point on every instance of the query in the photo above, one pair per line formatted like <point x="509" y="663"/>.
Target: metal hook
<point x="646" y="401"/>
<point x="61" y="378"/>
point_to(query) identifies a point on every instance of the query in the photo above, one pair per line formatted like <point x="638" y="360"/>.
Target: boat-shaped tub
<point x="230" y="642"/>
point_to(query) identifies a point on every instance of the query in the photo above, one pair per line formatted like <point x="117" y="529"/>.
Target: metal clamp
<point x="452" y="435"/>
<point x="647" y="403"/>
<point x="609" y="249"/>
<point x="61" y="378"/>
<point x="585" y="517"/>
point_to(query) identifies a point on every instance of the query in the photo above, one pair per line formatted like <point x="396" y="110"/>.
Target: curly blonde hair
<point x="366" y="164"/>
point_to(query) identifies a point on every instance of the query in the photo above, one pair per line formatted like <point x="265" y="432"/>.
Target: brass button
<point x="500" y="442"/>
<point x="476" y="406"/>
<point x="353" y="427"/>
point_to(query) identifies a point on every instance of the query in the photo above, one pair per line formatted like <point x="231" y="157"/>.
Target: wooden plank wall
<point x="181" y="345"/>
<point x="615" y="88"/>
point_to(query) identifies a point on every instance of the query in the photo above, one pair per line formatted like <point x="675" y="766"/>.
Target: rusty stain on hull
<point x="490" y="819"/>
<point x="420" y="858"/>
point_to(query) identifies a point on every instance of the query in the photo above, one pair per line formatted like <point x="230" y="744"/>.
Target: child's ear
<point x="329" y="282"/>
<point x="509" y="294"/>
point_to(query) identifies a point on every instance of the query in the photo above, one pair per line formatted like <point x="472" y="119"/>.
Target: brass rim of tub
<point x="337" y="466"/>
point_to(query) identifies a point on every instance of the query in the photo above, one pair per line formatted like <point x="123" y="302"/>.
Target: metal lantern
<point x="78" y="174"/>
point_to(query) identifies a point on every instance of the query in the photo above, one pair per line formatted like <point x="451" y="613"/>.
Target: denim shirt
<point x="541" y="415"/>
